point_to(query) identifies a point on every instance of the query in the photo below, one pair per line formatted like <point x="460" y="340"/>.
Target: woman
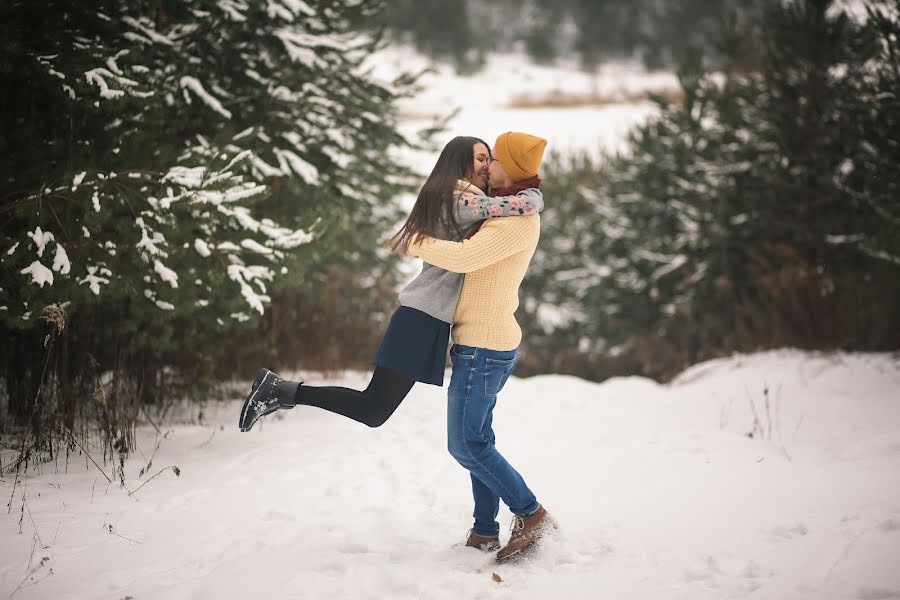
<point x="414" y="347"/>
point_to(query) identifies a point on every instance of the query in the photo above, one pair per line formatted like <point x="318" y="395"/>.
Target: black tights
<point x="372" y="407"/>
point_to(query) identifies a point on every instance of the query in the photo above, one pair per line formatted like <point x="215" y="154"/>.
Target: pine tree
<point x="165" y="163"/>
<point x="760" y="211"/>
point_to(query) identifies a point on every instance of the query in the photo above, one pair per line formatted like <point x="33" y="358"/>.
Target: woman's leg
<point x="372" y="406"/>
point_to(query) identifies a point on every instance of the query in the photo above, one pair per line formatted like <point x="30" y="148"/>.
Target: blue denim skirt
<point x="415" y="345"/>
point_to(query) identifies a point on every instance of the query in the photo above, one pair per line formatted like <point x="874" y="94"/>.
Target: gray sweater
<point x="435" y="291"/>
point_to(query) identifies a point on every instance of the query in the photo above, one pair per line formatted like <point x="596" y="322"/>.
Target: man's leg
<point x="487" y="506"/>
<point x="487" y="503"/>
<point x="478" y="375"/>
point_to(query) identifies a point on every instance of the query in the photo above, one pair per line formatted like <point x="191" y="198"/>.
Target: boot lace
<point x="517" y="525"/>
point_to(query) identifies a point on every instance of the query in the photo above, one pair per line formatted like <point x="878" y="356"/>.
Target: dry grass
<point x="559" y="99"/>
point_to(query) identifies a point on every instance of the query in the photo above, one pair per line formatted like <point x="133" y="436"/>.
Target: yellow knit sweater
<point x="494" y="260"/>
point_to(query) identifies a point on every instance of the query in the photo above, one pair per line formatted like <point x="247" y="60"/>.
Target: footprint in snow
<point x="889" y="526"/>
<point x="878" y="594"/>
<point x="787" y="532"/>
<point x="274" y="515"/>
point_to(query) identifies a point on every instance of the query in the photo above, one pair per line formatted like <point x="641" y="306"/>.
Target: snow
<point x="76" y="181"/>
<point x="306" y="171"/>
<point x="41" y="239"/>
<point x="233" y="9"/>
<point x="189" y="177"/>
<point x="297" y="7"/>
<point x="292" y="239"/>
<point x="97" y="77"/>
<point x="242" y="276"/>
<point x="93" y="279"/>
<point x="509" y="94"/>
<point x="658" y="490"/>
<point x="148" y="243"/>
<point x="202" y="247"/>
<point x="275" y="10"/>
<point x="39" y="273"/>
<point x="248" y="190"/>
<point x="228" y="247"/>
<point x="61" y="262"/>
<point x="855" y="9"/>
<point x="165" y="273"/>
<point x="265" y="169"/>
<point x="675" y="263"/>
<point x="147" y="30"/>
<point x="299" y="46"/>
<point x="254" y="246"/>
<point x="194" y="85"/>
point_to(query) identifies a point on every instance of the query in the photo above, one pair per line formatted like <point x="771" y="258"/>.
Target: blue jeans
<point x="478" y="376"/>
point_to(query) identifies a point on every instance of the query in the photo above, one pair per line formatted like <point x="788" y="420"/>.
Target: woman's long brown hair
<point x="434" y="213"/>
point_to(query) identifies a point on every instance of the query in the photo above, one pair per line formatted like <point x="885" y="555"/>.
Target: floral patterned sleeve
<point x="471" y="208"/>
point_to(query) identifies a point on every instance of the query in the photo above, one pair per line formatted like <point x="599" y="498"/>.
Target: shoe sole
<point x="484" y="548"/>
<point x="250" y="400"/>
<point x="518" y="555"/>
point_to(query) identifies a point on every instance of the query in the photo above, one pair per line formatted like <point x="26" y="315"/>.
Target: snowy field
<point x="659" y="490"/>
<point x="512" y="94"/>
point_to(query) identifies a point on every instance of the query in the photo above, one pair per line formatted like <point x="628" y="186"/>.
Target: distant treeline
<point x="465" y="31"/>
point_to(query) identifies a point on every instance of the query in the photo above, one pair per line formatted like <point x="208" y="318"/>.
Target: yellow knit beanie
<point x="519" y="154"/>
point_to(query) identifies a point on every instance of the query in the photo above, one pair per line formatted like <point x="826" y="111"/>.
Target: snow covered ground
<point x="659" y="490"/>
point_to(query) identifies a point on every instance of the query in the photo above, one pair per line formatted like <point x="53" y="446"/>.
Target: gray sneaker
<point x="268" y="393"/>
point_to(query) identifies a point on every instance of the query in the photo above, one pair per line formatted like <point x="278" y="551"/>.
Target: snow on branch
<point x="39" y="273"/>
<point x="61" y="262"/>
<point x="243" y="275"/>
<point x="41" y="239"/>
<point x="194" y="85"/>
<point x="189" y="177"/>
<point x="880" y="254"/>
<point x="93" y="279"/>
<point x="301" y="47"/>
<point x="99" y="76"/>
<point x="289" y="161"/>
<point x="165" y="273"/>
<point x="673" y="265"/>
<point x="149" y="244"/>
<point x="149" y="34"/>
<point x="288" y="9"/>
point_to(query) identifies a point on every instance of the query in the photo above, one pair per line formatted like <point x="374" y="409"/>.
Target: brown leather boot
<point x="526" y="531"/>
<point x="487" y="544"/>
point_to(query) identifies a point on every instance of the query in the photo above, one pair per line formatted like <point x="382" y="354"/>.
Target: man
<point x="486" y="338"/>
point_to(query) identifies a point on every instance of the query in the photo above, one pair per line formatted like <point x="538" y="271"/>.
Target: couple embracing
<point x="476" y="249"/>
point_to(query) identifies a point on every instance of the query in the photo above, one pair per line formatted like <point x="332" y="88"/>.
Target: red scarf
<point x="533" y="182"/>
